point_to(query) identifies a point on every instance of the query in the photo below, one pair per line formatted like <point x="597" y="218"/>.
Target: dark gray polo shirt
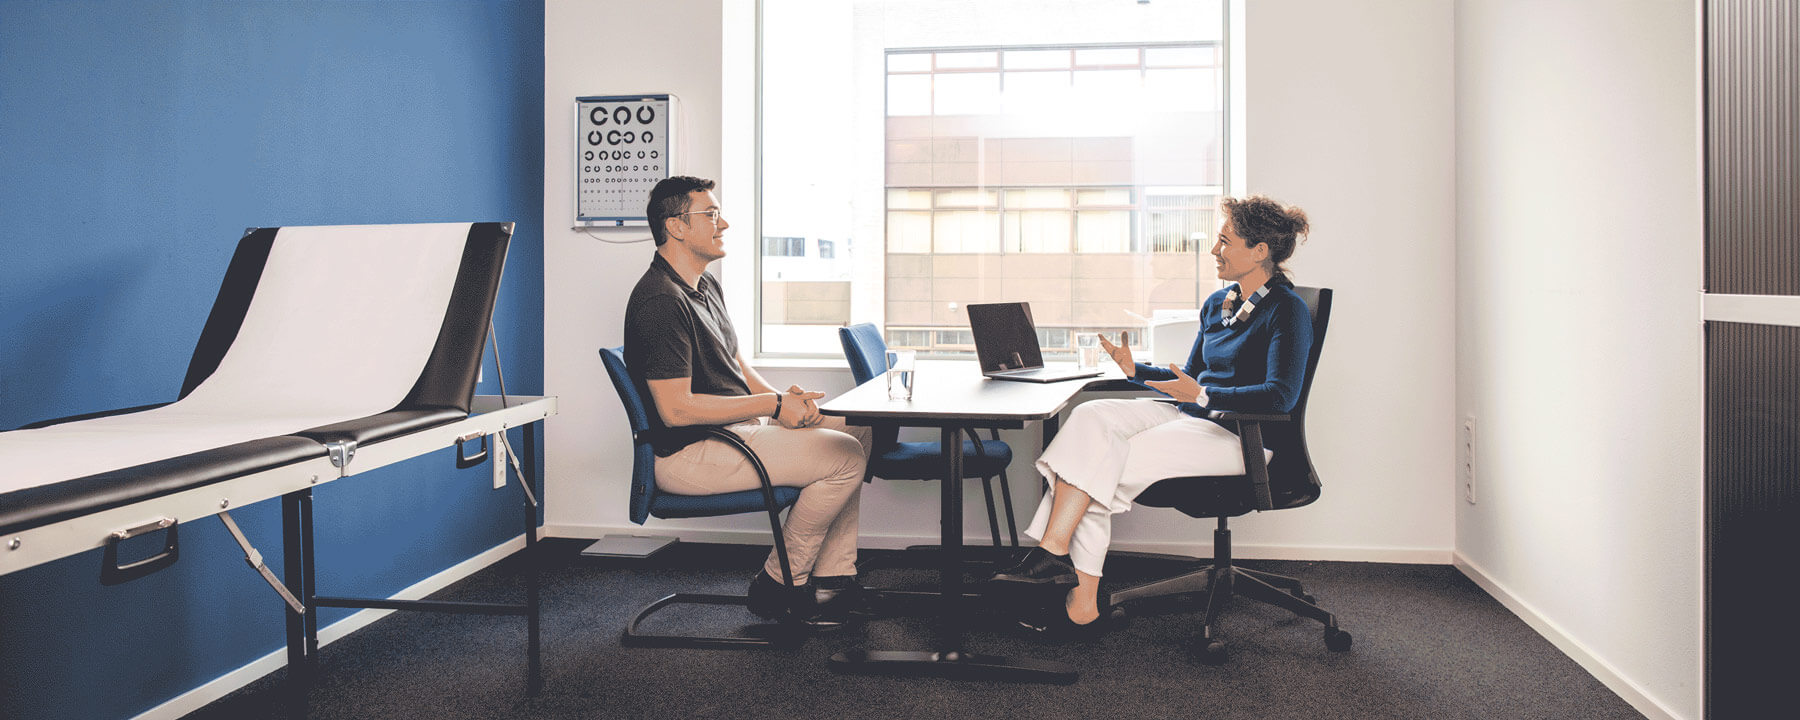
<point x="675" y="331"/>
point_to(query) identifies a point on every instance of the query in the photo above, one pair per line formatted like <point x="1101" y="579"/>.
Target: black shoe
<point x="771" y="599"/>
<point x="1052" y="624"/>
<point x="1039" y="568"/>
<point x="839" y="595"/>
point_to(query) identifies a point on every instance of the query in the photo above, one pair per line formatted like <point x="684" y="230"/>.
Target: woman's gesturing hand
<point x="1184" y="387"/>
<point x="1120" y="353"/>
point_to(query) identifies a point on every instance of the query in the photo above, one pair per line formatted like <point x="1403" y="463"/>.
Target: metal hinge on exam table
<point x="341" y="452"/>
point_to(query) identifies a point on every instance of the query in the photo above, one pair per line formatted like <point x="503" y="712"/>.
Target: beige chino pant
<point x="826" y="462"/>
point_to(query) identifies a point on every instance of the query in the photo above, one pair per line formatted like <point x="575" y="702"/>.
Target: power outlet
<point x="1468" y="459"/>
<point x="497" y="456"/>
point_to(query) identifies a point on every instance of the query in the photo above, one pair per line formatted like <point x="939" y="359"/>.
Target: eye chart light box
<point x="622" y="145"/>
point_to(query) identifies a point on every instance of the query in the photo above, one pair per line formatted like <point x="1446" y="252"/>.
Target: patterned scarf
<point x="1230" y="318"/>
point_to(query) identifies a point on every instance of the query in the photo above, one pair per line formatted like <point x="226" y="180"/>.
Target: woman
<point x="1250" y="356"/>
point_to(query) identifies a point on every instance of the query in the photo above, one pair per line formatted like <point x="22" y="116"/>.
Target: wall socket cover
<point x="497" y="455"/>
<point x="1468" y="459"/>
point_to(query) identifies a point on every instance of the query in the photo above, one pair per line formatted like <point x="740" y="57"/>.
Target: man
<point x="680" y="344"/>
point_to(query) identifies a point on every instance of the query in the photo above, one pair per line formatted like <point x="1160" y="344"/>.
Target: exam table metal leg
<point x="302" y="628"/>
<point x="534" y="672"/>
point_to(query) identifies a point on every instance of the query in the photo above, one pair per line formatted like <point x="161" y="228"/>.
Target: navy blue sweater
<point x="1253" y="366"/>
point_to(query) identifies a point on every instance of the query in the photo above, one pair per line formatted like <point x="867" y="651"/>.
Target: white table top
<point x="954" y="393"/>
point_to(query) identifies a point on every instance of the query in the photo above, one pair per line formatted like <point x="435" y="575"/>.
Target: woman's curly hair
<point x="1260" y="220"/>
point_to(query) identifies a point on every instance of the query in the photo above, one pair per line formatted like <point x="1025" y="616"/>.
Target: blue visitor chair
<point x="647" y="500"/>
<point x="894" y="460"/>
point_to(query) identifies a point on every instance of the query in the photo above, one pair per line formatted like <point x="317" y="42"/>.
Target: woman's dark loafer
<point x="1052" y="624"/>
<point x="1039" y="567"/>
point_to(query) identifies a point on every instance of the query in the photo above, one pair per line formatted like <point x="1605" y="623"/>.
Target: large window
<point x="1065" y="154"/>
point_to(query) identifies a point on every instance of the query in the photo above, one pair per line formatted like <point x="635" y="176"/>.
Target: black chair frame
<point x="787" y="632"/>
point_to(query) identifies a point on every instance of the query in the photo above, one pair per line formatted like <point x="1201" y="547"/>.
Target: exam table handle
<point x="112" y="573"/>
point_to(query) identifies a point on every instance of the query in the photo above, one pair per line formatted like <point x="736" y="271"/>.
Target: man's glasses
<point x="712" y="213"/>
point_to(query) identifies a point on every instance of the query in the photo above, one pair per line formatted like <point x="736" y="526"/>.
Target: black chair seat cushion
<point x="669" y="506"/>
<point x="1216" y="496"/>
<point x="925" y="460"/>
<point x="45" y="504"/>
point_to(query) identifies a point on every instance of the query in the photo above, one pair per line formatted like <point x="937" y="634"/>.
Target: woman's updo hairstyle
<point x="1262" y="221"/>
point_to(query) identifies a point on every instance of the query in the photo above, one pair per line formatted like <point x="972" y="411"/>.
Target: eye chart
<point x="622" y="147"/>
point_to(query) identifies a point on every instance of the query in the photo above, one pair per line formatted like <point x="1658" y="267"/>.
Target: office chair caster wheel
<point x="1310" y="600"/>
<point x="1213" y="652"/>
<point x="1337" y="640"/>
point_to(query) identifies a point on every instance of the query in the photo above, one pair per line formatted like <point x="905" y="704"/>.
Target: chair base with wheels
<point x="1220" y="581"/>
<point x="647" y="500"/>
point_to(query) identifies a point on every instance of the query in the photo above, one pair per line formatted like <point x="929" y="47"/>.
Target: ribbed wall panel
<point x="1752" y="496"/>
<point x="1753" y="115"/>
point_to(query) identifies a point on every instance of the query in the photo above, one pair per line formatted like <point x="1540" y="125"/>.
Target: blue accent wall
<point x="137" y="141"/>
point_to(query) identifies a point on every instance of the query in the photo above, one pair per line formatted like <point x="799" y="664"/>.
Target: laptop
<point x="1006" y="344"/>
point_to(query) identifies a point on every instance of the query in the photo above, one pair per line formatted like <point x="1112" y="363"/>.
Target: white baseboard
<point x="1411" y="556"/>
<point x="1599" y="668"/>
<point x="229" y="682"/>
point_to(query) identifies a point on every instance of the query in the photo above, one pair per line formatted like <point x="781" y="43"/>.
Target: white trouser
<point x="1112" y="450"/>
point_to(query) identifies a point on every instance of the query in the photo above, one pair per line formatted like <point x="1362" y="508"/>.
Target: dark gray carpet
<point x="1429" y="644"/>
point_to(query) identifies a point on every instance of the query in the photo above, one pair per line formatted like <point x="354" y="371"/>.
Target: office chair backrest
<point x="637" y="416"/>
<point x="1318" y="304"/>
<point x="1292" y="477"/>
<point x="865" y="351"/>
<point x="867" y="354"/>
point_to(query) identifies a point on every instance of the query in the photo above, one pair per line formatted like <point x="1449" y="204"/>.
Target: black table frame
<point x="951" y="659"/>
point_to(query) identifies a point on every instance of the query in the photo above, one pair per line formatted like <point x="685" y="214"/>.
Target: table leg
<point x="952" y="661"/>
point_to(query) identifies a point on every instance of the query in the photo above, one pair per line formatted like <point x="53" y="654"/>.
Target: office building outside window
<point x="1065" y="154"/>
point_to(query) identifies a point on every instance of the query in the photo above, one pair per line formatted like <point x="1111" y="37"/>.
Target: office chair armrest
<point x="1249" y="417"/>
<point x="762" y="473"/>
<point x="1232" y="415"/>
<point x="1255" y="467"/>
<point x="974" y="438"/>
<point x="768" y="489"/>
<point x="696" y="433"/>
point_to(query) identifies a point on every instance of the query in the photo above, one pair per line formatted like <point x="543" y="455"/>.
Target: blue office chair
<point x="867" y="354"/>
<point x="647" y="500"/>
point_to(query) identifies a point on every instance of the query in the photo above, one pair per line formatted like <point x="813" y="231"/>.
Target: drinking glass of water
<point x="900" y="374"/>
<point x="1087" y="350"/>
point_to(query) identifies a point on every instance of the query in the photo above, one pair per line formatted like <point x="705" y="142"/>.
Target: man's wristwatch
<point x="777" y="413"/>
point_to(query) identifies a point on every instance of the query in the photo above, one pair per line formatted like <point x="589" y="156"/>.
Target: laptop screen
<point x="1005" y="338"/>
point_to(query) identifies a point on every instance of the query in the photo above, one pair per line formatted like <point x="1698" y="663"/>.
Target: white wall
<point x="1350" y="116"/>
<point x="1579" y="242"/>
<point x="603" y="48"/>
<point x="1331" y="130"/>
